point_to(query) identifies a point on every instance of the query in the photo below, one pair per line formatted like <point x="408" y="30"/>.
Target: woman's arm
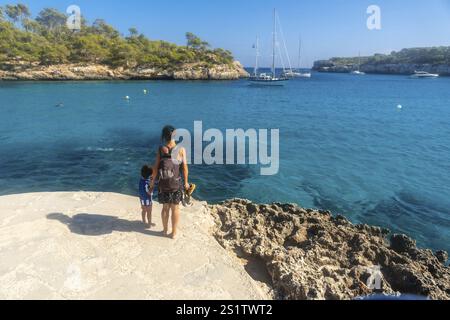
<point x="185" y="169"/>
<point x="155" y="169"/>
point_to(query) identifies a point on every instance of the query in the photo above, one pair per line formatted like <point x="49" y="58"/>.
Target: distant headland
<point x="405" y="62"/>
<point x="44" y="48"/>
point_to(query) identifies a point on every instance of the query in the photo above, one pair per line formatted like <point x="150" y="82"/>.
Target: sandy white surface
<point x="84" y="245"/>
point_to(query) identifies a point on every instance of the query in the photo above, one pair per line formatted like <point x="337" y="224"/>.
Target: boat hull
<point x="298" y="75"/>
<point x="268" y="82"/>
<point x="431" y="76"/>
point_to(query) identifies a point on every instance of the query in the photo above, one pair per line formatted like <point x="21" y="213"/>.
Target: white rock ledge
<point x="84" y="245"/>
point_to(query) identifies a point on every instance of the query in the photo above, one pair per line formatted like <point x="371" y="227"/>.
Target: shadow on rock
<point x="98" y="225"/>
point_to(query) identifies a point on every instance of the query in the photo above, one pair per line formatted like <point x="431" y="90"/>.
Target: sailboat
<point x="297" y="73"/>
<point x="269" y="79"/>
<point x="358" y="72"/>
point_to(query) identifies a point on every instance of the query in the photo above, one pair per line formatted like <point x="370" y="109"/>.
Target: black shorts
<point x="170" y="197"/>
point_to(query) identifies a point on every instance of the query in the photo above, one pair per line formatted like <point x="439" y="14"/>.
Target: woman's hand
<point x="187" y="186"/>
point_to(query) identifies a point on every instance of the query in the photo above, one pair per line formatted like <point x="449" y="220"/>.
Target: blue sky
<point x="328" y="27"/>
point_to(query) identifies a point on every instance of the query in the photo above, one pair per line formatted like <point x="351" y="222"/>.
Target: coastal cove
<point x="351" y="151"/>
<point x="225" y="158"/>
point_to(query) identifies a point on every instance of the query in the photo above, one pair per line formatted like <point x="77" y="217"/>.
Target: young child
<point x="145" y="195"/>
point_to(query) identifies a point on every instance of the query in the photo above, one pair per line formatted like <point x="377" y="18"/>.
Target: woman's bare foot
<point x="165" y="233"/>
<point x="173" y="236"/>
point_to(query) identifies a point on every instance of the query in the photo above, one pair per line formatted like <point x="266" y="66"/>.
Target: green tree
<point x="51" y="18"/>
<point x="195" y="42"/>
<point x="24" y="11"/>
<point x="224" y="56"/>
<point x="133" y="32"/>
<point x="31" y="26"/>
<point x="101" y="27"/>
<point x="90" y="48"/>
<point x="123" y="54"/>
<point x="17" y="12"/>
<point x="53" y="54"/>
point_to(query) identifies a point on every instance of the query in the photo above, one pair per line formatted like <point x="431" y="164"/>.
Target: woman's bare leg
<point x="165" y="218"/>
<point x="175" y="219"/>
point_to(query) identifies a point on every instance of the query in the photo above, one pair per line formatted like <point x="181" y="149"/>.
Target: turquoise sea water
<point x="345" y="145"/>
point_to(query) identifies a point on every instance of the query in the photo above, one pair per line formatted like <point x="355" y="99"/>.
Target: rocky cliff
<point x="21" y="71"/>
<point x="383" y="68"/>
<point x="311" y="254"/>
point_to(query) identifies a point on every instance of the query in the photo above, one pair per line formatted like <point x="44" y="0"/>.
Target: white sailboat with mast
<point x="268" y="78"/>
<point x="358" y="72"/>
<point x="297" y="73"/>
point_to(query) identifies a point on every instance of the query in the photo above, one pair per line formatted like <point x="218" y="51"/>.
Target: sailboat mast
<point x="274" y="40"/>
<point x="359" y="61"/>
<point x="257" y="57"/>
<point x="299" y="52"/>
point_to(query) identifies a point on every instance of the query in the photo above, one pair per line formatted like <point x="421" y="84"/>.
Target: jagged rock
<point x="400" y="243"/>
<point x="442" y="256"/>
<point x="310" y="254"/>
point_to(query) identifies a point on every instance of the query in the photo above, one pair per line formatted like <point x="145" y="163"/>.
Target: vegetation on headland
<point x="407" y="61"/>
<point x="432" y="55"/>
<point x="46" y="40"/>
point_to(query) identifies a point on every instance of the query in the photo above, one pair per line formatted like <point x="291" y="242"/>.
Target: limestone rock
<point x="311" y="254"/>
<point x="29" y="72"/>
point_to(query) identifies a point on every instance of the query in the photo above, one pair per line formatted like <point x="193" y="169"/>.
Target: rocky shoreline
<point x="70" y="72"/>
<point x="311" y="254"/>
<point x="384" y="68"/>
<point x="85" y="245"/>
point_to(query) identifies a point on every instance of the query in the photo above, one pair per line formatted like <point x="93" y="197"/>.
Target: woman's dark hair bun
<point x="167" y="133"/>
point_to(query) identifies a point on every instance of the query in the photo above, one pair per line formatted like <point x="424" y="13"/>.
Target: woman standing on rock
<point x="170" y="161"/>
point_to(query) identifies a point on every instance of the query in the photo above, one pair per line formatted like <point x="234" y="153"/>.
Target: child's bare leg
<point x="143" y="214"/>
